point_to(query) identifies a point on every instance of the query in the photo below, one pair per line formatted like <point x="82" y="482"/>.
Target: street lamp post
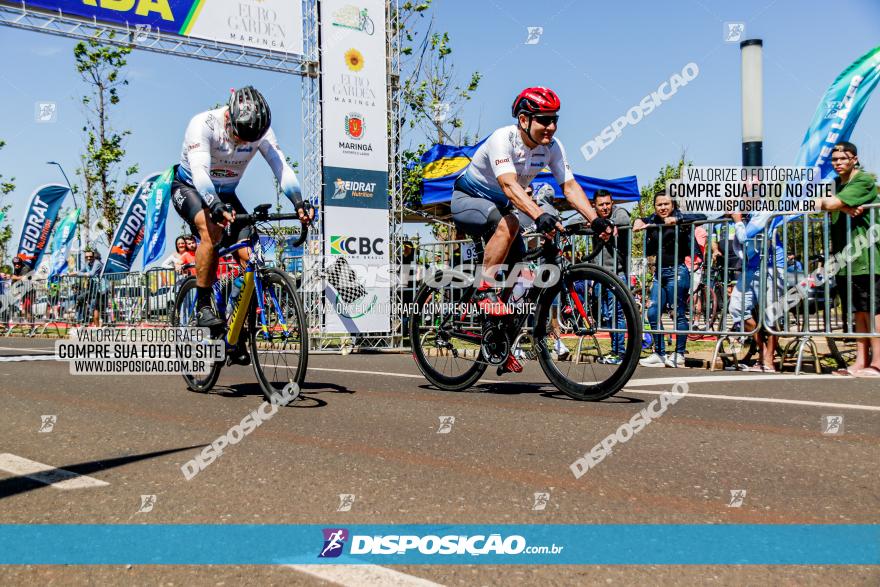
<point x="73" y="195"/>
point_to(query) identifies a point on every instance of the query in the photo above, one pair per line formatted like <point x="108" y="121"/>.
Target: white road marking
<point x="27" y="350"/>
<point x="768" y="400"/>
<point x="362" y="575"/>
<point x="740" y="378"/>
<point x="54" y="477"/>
<point x="385" y="374"/>
<point x="674" y="380"/>
<point x="19" y="359"/>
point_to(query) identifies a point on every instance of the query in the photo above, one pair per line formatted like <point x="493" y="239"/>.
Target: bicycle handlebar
<point x="261" y="214"/>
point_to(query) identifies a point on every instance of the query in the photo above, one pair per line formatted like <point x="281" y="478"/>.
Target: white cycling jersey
<point x="504" y="152"/>
<point x="214" y="164"/>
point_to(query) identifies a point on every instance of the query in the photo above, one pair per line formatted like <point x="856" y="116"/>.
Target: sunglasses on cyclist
<point x="546" y="119"/>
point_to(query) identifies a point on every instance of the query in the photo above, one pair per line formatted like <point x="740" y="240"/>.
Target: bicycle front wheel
<point x="445" y="343"/>
<point x="184" y="314"/>
<point x="279" y="340"/>
<point x="600" y="356"/>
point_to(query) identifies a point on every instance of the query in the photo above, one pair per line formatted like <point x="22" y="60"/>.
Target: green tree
<point x="7" y="186"/>
<point x="433" y="94"/>
<point x="106" y="182"/>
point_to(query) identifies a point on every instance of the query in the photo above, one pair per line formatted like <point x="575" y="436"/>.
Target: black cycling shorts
<point x="479" y="218"/>
<point x="188" y="202"/>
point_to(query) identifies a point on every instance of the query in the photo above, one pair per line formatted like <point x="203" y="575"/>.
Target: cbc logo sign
<point x="356" y="245"/>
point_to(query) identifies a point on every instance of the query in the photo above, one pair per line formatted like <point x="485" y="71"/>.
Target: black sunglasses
<point x="546" y="119"/>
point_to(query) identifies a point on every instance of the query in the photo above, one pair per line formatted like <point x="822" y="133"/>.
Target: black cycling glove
<point x="216" y="207"/>
<point x="599" y="225"/>
<point x="546" y="223"/>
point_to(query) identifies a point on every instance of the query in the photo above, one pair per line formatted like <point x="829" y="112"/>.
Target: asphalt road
<point x="368" y="426"/>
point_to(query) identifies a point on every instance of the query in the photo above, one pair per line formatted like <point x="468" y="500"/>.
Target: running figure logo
<point x="47" y="423"/>
<point x="541" y="501"/>
<point x="446" y="423"/>
<point x="46" y="112"/>
<point x="535" y="33"/>
<point x="734" y="31"/>
<point x="832" y="425"/>
<point x="346" y="500"/>
<point x="737" y="496"/>
<point x="334" y="541"/>
<point x="147" y="503"/>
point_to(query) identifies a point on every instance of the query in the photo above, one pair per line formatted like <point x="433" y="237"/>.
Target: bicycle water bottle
<point x="523" y="284"/>
<point x="237" y="284"/>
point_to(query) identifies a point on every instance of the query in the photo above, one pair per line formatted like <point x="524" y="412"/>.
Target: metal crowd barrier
<point x="808" y="304"/>
<point x="811" y="305"/>
<point x="718" y="288"/>
<point x="36" y="306"/>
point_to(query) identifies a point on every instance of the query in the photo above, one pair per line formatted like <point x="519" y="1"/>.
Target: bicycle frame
<point x="252" y="283"/>
<point x="548" y="251"/>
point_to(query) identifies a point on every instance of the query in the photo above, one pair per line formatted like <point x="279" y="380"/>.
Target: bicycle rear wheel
<point x="184" y="314"/>
<point x="590" y="372"/>
<point x="278" y="337"/>
<point x="445" y="345"/>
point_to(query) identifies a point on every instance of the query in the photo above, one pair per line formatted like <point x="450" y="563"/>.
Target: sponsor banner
<point x="355" y="137"/>
<point x="129" y="235"/>
<point x="356" y="246"/>
<point x="355" y="188"/>
<point x="272" y="25"/>
<point x="469" y="544"/>
<point x="157" y="212"/>
<point x="354" y="84"/>
<point x="61" y="240"/>
<point x="38" y="223"/>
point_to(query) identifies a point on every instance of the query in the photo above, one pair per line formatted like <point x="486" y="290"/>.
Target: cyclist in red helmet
<point x="494" y="183"/>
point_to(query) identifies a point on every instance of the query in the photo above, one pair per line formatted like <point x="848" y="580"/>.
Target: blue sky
<point x="601" y="57"/>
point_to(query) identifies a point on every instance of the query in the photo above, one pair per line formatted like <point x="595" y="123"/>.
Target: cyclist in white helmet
<point x="217" y="148"/>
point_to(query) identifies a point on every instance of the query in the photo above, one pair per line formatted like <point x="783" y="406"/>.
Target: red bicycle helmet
<point x="535" y="100"/>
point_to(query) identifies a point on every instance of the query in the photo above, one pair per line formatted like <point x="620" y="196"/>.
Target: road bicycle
<point x="365" y="23"/>
<point x="265" y="318"/>
<point x="453" y="344"/>
<point x="706" y="305"/>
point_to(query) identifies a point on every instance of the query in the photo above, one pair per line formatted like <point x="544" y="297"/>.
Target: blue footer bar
<point x="747" y="544"/>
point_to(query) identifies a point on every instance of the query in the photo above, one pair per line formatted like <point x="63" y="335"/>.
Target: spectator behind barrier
<point x="672" y="279"/>
<point x="746" y="295"/>
<point x="856" y="188"/>
<point x="94" y="292"/>
<point x="174" y="260"/>
<point x="615" y="258"/>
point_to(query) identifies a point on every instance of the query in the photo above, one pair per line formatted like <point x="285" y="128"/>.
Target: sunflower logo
<point x="354" y="60"/>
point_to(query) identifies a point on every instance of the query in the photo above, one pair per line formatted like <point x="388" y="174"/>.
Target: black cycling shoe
<point x="240" y="356"/>
<point x="206" y="318"/>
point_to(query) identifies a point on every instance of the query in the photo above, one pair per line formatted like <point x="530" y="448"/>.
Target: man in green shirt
<point x="855" y="234"/>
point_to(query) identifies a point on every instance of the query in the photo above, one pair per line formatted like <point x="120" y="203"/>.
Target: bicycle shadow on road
<point x="542" y="389"/>
<point x="306" y="399"/>
<point x="21" y="484"/>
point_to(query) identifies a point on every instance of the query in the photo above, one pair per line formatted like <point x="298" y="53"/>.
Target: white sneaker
<point x="561" y="350"/>
<point x="654" y="360"/>
<point x="675" y="360"/>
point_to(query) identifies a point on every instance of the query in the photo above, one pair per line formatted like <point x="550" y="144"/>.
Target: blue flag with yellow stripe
<point x="443" y="164"/>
